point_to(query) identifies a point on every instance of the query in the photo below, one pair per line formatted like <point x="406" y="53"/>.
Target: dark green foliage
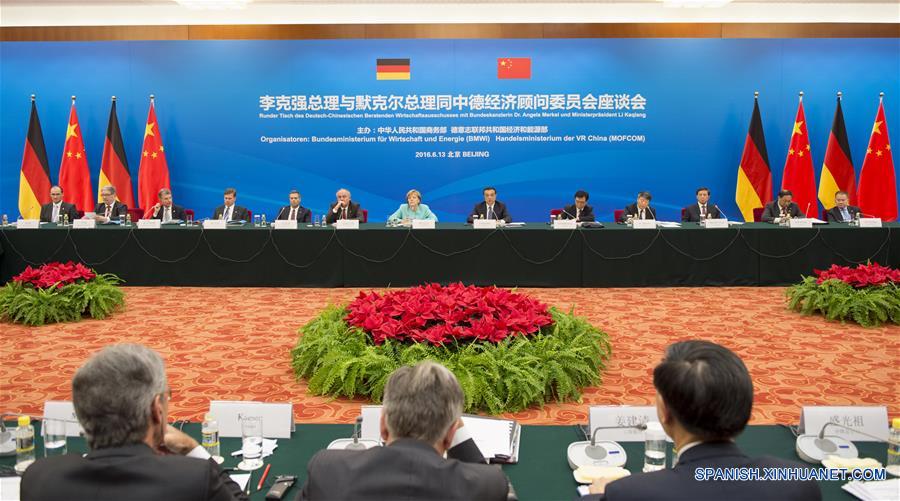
<point x="868" y="306"/>
<point x="554" y="364"/>
<point x="99" y="298"/>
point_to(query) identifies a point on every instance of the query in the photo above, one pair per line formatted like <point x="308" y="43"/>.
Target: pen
<point x="249" y="480"/>
<point x="263" y="477"/>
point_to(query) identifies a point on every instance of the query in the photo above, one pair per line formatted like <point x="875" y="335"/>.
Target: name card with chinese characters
<point x="277" y="418"/>
<point x="423" y="224"/>
<point x="870" y="222"/>
<point x="621" y="415"/>
<point x="149" y="224"/>
<point x="215" y="224"/>
<point x="715" y="223"/>
<point x="284" y="224"/>
<point x="347" y="224"/>
<point x="564" y="224"/>
<point x="869" y="419"/>
<point x="484" y="224"/>
<point x="65" y="411"/>
<point x="84" y="224"/>
<point x="800" y="222"/>
<point x="644" y="224"/>
<point x="28" y="224"/>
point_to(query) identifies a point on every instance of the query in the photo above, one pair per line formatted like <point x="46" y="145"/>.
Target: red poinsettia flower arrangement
<point x="54" y="275"/>
<point x="436" y="314"/>
<point x="861" y="276"/>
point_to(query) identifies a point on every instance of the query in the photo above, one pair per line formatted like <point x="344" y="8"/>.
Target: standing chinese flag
<point x="754" y="178"/>
<point x="114" y="166"/>
<point x="837" y="170"/>
<point x="877" y="182"/>
<point x="74" y="175"/>
<point x="153" y="173"/>
<point x="799" y="176"/>
<point x="34" y="179"/>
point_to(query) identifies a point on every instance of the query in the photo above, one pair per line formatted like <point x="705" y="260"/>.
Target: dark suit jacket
<point x="303" y="214"/>
<point x="679" y="482"/>
<point x="773" y="211"/>
<point x="500" y="211"/>
<point x="649" y="213"/>
<point x="177" y="213"/>
<point x="237" y="213"/>
<point x="133" y="472"/>
<point x="692" y="213"/>
<point x="352" y="212"/>
<point x="587" y="214"/>
<point x="118" y="209"/>
<point x="64" y="208"/>
<point x="406" y="469"/>
<point x="833" y="215"/>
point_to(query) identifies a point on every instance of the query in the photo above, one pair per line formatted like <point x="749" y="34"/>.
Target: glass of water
<point x="654" y="447"/>
<point x="54" y="434"/>
<point x="251" y="442"/>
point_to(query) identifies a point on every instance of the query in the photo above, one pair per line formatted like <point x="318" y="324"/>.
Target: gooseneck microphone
<point x="280" y="212"/>
<point x="356" y="446"/>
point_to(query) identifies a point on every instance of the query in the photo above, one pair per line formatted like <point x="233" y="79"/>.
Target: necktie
<point x="642" y="213"/>
<point x="577" y="214"/>
<point x="108" y="210"/>
<point x="167" y="215"/>
<point x="293" y="214"/>
<point x="55" y="213"/>
<point x="703" y="211"/>
<point x="490" y="213"/>
<point x="227" y="215"/>
<point x="344" y="213"/>
<point x="845" y="214"/>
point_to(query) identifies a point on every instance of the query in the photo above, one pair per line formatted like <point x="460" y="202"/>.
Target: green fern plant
<point x="554" y="364"/>
<point x="836" y="300"/>
<point x="99" y="298"/>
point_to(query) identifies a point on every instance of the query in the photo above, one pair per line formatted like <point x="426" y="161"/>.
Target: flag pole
<point x="801" y="96"/>
<point x="756" y="95"/>
<point x="880" y="97"/>
<point x="839" y="94"/>
<point x="32" y="98"/>
<point x="152" y="99"/>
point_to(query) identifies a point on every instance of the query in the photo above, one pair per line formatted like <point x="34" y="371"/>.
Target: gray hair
<point x="163" y="192"/>
<point x="109" y="189"/>
<point x="422" y="402"/>
<point x="113" y="392"/>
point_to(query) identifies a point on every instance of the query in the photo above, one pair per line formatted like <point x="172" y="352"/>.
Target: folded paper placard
<point x="277" y="418"/>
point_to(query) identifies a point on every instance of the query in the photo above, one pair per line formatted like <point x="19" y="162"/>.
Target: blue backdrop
<point x="679" y="122"/>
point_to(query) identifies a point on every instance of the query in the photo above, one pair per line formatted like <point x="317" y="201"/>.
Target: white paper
<point x="423" y="224"/>
<point x="64" y="410"/>
<point x="643" y="224"/>
<point x="715" y="223"/>
<point x="241" y="479"/>
<point x="278" y="418"/>
<point x="492" y="436"/>
<point x="622" y="415"/>
<point x="869" y="419"/>
<point x="84" y="224"/>
<point x="269" y="446"/>
<point x="346" y="224"/>
<point x="514" y="225"/>
<point x="564" y="224"/>
<point x="284" y="224"/>
<point x="28" y="224"/>
<point x="9" y="488"/>
<point x="370" y="428"/>
<point x="149" y="224"/>
<point x="881" y="490"/>
<point x="214" y="224"/>
<point x="484" y="224"/>
<point x="870" y="222"/>
<point x="799" y="222"/>
<point x="667" y="224"/>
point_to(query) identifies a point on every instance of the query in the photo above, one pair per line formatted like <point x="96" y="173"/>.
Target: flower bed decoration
<point x="59" y="292"/>
<point x="868" y="294"/>
<point x="509" y="351"/>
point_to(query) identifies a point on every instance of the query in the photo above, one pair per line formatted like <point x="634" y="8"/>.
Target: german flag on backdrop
<point x="34" y="180"/>
<point x="392" y="69"/>
<point x="754" y="177"/>
<point x="837" y="170"/>
<point x="114" y="166"/>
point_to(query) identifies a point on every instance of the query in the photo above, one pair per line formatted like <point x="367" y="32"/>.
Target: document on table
<point x="872" y="491"/>
<point x="269" y="446"/>
<point x="241" y="479"/>
<point x="495" y="438"/>
<point x="9" y="488"/>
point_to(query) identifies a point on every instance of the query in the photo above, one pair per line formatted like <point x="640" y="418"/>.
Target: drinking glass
<point x="251" y="442"/>
<point x="54" y="434"/>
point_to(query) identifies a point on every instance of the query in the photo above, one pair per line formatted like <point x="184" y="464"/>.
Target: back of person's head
<point x="706" y="388"/>
<point x="113" y="393"/>
<point x="422" y="402"/>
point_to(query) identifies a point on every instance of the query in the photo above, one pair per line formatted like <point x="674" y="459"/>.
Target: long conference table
<point x="533" y="255"/>
<point x="542" y="473"/>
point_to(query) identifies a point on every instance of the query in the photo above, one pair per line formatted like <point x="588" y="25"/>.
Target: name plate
<point x="149" y="224"/>
<point x="622" y="415"/>
<point x="81" y="224"/>
<point x="347" y="224"/>
<point x="277" y="418"/>
<point x="65" y="411"/>
<point x="800" y="222"/>
<point x="565" y="224"/>
<point x="870" y="222"/>
<point x="215" y="224"/>
<point x="28" y="224"/>
<point x="484" y="224"/>
<point x="644" y="224"/>
<point x="715" y="223"/>
<point x="284" y="224"/>
<point x="869" y="419"/>
<point x="423" y="224"/>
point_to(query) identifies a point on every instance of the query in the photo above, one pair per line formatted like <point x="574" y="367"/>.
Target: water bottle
<point x="262" y="220"/>
<point x="629" y="221"/>
<point x="256" y="220"/>
<point x="24" y="444"/>
<point x="855" y="220"/>
<point x="654" y="447"/>
<point x="5" y="220"/>
<point x="893" y="452"/>
<point x="19" y="220"/>
<point x="552" y="218"/>
<point x="128" y="220"/>
<point x="210" y="435"/>
<point x="315" y="219"/>
<point x="65" y="220"/>
<point x="324" y="220"/>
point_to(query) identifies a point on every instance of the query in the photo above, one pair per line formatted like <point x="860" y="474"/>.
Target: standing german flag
<point x="837" y="170"/>
<point x="392" y="69"/>
<point x="114" y="166"/>
<point x="34" y="180"/>
<point x="754" y="177"/>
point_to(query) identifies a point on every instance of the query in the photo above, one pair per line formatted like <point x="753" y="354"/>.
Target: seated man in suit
<point x="419" y="422"/>
<point x="343" y="208"/>
<point x="491" y="208"/>
<point x="165" y="210"/>
<point x="641" y="208"/>
<point x="580" y="210"/>
<point x="842" y="212"/>
<point x="121" y="398"/>
<point x="109" y="209"/>
<point x="704" y="396"/>
<point x="229" y="211"/>
<point x="782" y="208"/>
<point x="701" y="210"/>
<point x="56" y="209"/>
<point x="294" y="211"/>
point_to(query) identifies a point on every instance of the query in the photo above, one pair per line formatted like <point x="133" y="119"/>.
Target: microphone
<point x="356" y="446"/>
<point x="602" y="453"/>
<point x="721" y="211"/>
<point x="814" y="448"/>
<point x="641" y="427"/>
<point x="279" y="213"/>
<point x="7" y="437"/>
<point x="569" y="214"/>
<point x="806" y="212"/>
<point x="355" y="443"/>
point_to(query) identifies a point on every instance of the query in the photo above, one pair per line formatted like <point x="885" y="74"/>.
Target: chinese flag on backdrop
<point x="799" y="176"/>
<point x="74" y="174"/>
<point x="877" y="190"/>
<point x="514" y="67"/>
<point x="153" y="173"/>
